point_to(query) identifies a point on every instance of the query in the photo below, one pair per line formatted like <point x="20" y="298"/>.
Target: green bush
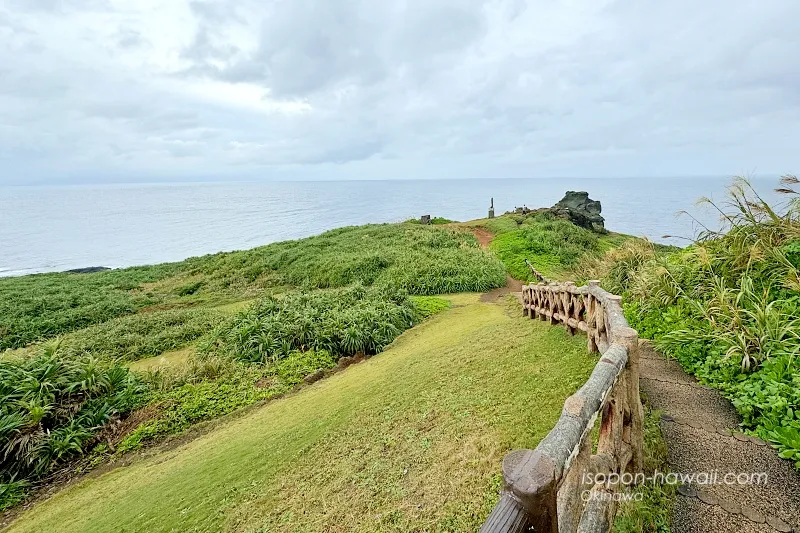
<point x="203" y="397"/>
<point x="52" y="406"/>
<point x="339" y="321"/>
<point x="727" y="309"/>
<point x="142" y="335"/>
<point x="12" y="493"/>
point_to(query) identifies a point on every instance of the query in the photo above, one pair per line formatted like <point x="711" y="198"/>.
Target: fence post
<point x="629" y="338"/>
<point x="531" y="476"/>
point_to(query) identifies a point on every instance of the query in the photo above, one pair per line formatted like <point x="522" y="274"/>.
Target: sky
<point x="169" y="90"/>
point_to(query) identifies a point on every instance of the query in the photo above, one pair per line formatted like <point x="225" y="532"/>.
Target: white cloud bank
<point x="120" y="90"/>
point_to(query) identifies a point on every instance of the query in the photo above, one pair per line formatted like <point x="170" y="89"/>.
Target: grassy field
<point x="419" y="259"/>
<point x="409" y="440"/>
<point x="289" y="309"/>
<point x="554" y="246"/>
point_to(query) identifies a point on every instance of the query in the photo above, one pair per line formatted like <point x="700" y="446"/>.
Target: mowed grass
<point x="410" y="440"/>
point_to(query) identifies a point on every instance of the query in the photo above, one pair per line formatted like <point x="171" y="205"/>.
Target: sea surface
<point x="46" y="229"/>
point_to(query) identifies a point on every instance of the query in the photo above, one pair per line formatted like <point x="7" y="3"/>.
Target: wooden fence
<point x="550" y="489"/>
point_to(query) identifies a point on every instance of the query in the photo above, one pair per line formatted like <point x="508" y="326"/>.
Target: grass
<point x="411" y="439"/>
<point x="142" y="335"/>
<point x="554" y="246"/>
<point x="174" y="358"/>
<point x="652" y="511"/>
<point x="423" y="260"/>
<point x="288" y="301"/>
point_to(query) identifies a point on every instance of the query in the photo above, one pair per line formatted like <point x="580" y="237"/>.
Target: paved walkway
<point x="702" y="433"/>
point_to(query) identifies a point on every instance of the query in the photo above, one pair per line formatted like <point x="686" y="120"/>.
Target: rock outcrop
<point x="87" y="270"/>
<point x="576" y="206"/>
<point x="580" y="210"/>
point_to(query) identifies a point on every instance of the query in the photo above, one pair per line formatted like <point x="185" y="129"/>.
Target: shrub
<point x="340" y="321"/>
<point x="52" y="406"/>
<point x="195" y="395"/>
<point x="142" y="335"/>
<point x="12" y="493"/>
<point x="727" y="309"/>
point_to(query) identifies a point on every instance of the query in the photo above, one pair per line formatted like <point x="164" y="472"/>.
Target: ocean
<point x="56" y="228"/>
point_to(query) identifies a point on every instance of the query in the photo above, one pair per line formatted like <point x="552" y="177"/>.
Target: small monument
<point x="425" y="219"/>
<point x="491" y="208"/>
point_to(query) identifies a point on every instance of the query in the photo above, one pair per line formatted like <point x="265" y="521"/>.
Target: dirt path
<point x="484" y="237"/>
<point x="702" y="433"/>
<point x="512" y="285"/>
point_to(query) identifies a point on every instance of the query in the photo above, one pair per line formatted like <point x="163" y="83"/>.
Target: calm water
<point x="44" y="229"/>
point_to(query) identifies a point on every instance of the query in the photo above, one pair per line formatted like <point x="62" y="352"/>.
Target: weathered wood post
<point x="491" y="208"/>
<point x="526" y="302"/>
<point x="629" y="338"/>
<point x="591" y="317"/>
<point x="529" y="498"/>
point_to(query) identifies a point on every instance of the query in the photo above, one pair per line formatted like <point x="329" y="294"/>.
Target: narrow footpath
<point x="701" y="429"/>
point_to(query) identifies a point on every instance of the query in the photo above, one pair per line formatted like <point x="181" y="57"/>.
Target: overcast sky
<point x="159" y="90"/>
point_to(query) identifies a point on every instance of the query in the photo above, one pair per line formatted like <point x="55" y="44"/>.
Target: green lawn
<point x="411" y="439"/>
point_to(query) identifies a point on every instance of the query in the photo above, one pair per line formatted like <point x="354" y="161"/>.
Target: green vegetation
<point x="45" y="305"/>
<point x="420" y="259"/>
<point x="650" y="511"/>
<point x="209" y="388"/>
<point x="339" y="321"/>
<point x="427" y="306"/>
<point x="298" y="307"/>
<point x="142" y="335"/>
<point x="727" y="308"/>
<point x="554" y="246"/>
<point x="410" y="440"/>
<point x="52" y="408"/>
<point x="434" y="220"/>
<point x="550" y="244"/>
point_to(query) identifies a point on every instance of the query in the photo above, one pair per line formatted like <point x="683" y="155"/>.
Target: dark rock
<point x="87" y="270"/>
<point x="576" y="207"/>
<point x="580" y="210"/>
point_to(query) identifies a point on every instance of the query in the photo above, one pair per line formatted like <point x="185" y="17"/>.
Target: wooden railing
<point x="550" y="489"/>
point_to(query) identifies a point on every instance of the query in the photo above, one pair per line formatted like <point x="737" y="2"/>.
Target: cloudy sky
<point x="159" y="90"/>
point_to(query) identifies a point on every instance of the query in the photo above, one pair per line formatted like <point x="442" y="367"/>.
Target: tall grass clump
<point x="419" y="259"/>
<point x="339" y="321"/>
<point x="142" y="335"/>
<point x="51" y="410"/>
<point x="727" y="307"/>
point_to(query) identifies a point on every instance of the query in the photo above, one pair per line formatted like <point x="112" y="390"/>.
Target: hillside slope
<point x="409" y="440"/>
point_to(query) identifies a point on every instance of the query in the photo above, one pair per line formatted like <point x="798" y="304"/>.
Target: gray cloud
<point x="105" y="90"/>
